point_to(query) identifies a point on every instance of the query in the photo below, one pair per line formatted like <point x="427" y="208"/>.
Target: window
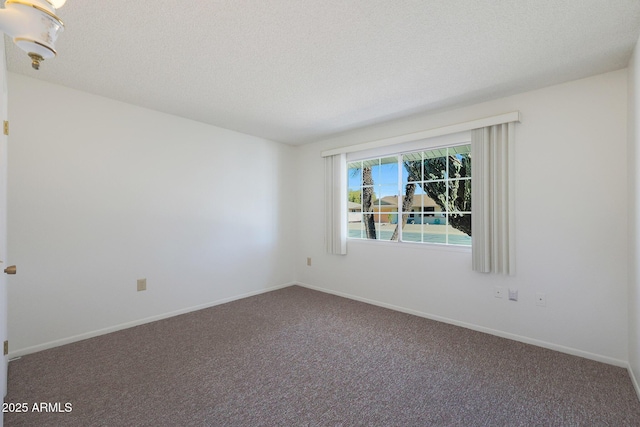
<point x="419" y="196"/>
<point x="443" y="196"/>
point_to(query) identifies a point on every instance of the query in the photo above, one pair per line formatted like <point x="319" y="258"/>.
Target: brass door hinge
<point x="6" y="348"/>
<point x="6" y="127"/>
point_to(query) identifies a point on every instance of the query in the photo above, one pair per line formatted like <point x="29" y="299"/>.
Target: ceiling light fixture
<point x="34" y="26"/>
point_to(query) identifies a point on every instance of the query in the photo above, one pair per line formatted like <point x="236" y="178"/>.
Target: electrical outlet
<point x="142" y="285"/>
<point x="513" y="295"/>
<point x="498" y="292"/>
<point x="541" y="300"/>
<point x="309" y="261"/>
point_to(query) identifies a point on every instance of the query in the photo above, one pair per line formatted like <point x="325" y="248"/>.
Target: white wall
<point x="102" y="193"/>
<point x="634" y="217"/>
<point x="571" y="228"/>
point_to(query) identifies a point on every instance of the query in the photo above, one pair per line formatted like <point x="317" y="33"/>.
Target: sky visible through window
<point x="385" y="177"/>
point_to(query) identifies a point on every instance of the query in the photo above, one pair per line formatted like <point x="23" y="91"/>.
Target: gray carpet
<point x="297" y="357"/>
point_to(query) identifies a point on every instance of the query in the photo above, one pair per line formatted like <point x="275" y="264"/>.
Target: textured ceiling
<point x="300" y="70"/>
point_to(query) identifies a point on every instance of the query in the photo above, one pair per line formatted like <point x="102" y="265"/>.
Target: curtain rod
<point x="513" y="116"/>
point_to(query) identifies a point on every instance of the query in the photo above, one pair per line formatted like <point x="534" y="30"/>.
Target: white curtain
<point x="336" y="204"/>
<point x="492" y="200"/>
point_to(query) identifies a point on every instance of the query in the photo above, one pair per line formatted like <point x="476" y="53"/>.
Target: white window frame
<point x="426" y="144"/>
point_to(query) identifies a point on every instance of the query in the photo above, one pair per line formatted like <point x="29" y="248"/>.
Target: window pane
<point x="435" y="230"/>
<point x="467" y="164"/>
<point x="412" y="167"/>
<point x="385" y="229"/>
<point x="354" y="193"/>
<point x="388" y="194"/>
<point x="412" y="231"/>
<point x="408" y="208"/>
<point x="356" y="228"/>
<point x="460" y="162"/>
<point x="354" y="168"/>
<point x="459" y="195"/>
<point x="388" y="171"/>
<point x="354" y="174"/>
<point x="459" y="230"/>
<point x="421" y="202"/>
<point x="368" y="224"/>
<point x="354" y="206"/>
<point x="435" y="165"/>
<point x="387" y="217"/>
<point x="367" y="172"/>
<point x="375" y="170"/>
<point x="437" y="191"/>
<point x="368" y="199"/>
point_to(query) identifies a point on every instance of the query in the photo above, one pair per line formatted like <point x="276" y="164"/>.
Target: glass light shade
<point x="57" y="3"/>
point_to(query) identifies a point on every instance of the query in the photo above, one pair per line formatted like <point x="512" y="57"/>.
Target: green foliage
<point x="355" y="196"/>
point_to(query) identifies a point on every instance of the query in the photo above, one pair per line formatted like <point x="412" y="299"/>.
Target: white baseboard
<point x="568" y="350"/>
<point x="56" y="343"/>
<point x="502" y="334"/>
